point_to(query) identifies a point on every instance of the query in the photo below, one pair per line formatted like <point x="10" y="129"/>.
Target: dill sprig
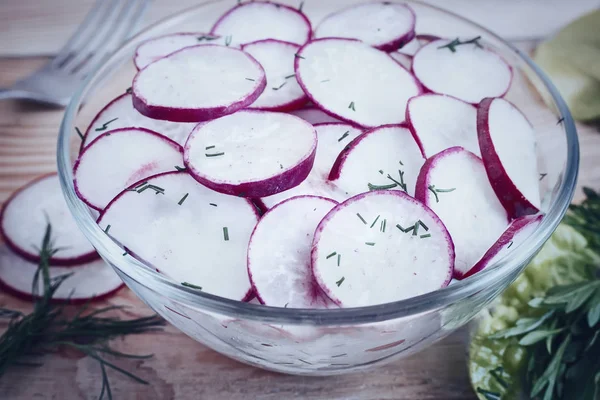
<point x="47" y="328"/>
<point x="457" y="42"/>
<point x="105" y="125"/>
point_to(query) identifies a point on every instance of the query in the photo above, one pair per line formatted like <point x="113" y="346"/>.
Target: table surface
<point x="182" y="368"/>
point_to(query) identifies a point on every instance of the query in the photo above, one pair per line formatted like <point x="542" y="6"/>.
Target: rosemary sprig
<point x="79" y="133"/>
<point x="435" y="191"/>
<point x="457" y="42"/>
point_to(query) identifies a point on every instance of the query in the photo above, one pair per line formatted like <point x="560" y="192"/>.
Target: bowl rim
<point x="147" y="277"/>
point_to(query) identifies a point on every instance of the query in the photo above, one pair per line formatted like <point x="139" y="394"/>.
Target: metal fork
<point x="107" y="25"/>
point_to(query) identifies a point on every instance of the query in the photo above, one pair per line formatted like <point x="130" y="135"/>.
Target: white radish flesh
<point x="385" y="26"/>
<point x="26" y="214"/>
<point x="385" y="158"/>
<point x="314" y="116"/>
<point x="198" y="83"/>
<point x="332" y="139"/>
<point x="390" y="247"/>
<point x="470" y="73"/>
<point x="454" y="185"/>
<point x="279" y="263"/>
<point x="507" y="142"/>
<point x="124" y="156"/>
<point x="439" y="122"/>
<point x="120" y="113"/>
<point x="251" y="153"/>
<point x="94" y="280"/>
<point x="187" y="231"/>
<point x="258" y="20"/>
<point x="159" y="47"/>
<point x="282" y="93"/>
<point x="355" y="82"/>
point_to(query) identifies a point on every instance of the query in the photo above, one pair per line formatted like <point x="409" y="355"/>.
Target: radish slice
<point x="507" y="142"/>
<point x="385" y="158"/>
<point x="198" y="83"/>
<point x="369" y="93"/>
<point x="119" y="113"/>
<point x="26" y="214"/>
<point x="385" y="26"/>
<point x="258" y="20"/>
<point x="439" y="122"/>
<point x="468" y="72"/>
<point x="279" y="254"/>
<point x="314" y="115"/>
<point x="454" y="185"/>
<point x="380" y="247"/>
<point x="283" y="93"/>
<point x="91" y="281"/>
<point x="402" y="59"/>
<point x="186" y="231"/>
<point x="124" y="156"/>
<point x="251" y="153"/>
<point x="332" y="139"/>
<point x="518" y="230"/>
<point x="159" y="47"/>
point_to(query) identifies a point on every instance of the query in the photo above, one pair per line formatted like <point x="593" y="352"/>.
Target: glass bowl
<point x="325" y="342"/>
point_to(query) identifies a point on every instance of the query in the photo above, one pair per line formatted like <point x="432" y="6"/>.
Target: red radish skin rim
<point x="511" y="198"/>
<point x="320" y="227"/>
<point x="180" y="114"/>
<point x="316" y="288"/>
<point x="278" y="5"/>
<point x="56" y="261"/>
<point x="87" y="131"/>
<point x="292" y="105"/>
<point x="320" y="106"/>
<point x="108" y="133"/>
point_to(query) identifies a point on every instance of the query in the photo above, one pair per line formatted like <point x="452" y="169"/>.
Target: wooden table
<point x="182" y="368"/>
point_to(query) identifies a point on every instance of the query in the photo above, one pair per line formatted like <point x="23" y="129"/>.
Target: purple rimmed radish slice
<point x="258" y="20"/>
<point x="314" y="115"/>
<point x="91" y="281"/>
<point x="507" y="142"/>
<point x="161" y="46"/>
<point x="251" y="153"/>
<point x="282" y="93"/>
<point x="411" y="48"/>
<point x="26" y="214"/>
<point x="279" y="262"/>
<point x="354" y="81"/>
<point x="380" y="247"/>
<point x="186" y="231"/>
<point x="198" y="83"/>
<point x="464" y="69"/>
<point x="332" y="139"/>
<point x="454" y="185"/>
<point x="124" y="156"/>
<point x="518" y="230"/>
<point x="385" y="26"/>
<point x="120" y="113"/>
<point x="385" y="158"/>
<point x="439" y="122"/>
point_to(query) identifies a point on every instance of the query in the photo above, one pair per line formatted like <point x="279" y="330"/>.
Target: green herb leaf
<point x="536" y="336"/>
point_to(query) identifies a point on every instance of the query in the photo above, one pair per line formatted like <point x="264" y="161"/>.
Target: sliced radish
<point x="251" y="153"/>
<point x="26" y="214"/>
<point x="124" y="156"/>
<point x="402" y="59"/>
<point x="386" y="26"/>
<point x="355" y="82"/>
<point x="411" y="48"/>
<point x="518" y="230"/>
<point x="283" y="93"/>
<point x="380" y="247"/>
<point x="507" y="142"/>
<point x="439" y="122"/>
<point x="258" y="20"/>
<point x="94" y="280"/>
<point x="332" y="139"/>
<point x="198" y="83"/>
<point x="279" y="254"/>
<point x="385" y="158"/>
<point x="314" y="115"/>
<point x="161" y="46"/>
<point x="186" y="231"/>
<point x="454" y="185"/>
<point x="467" y="71"/>
<point x="120" y="113"/>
